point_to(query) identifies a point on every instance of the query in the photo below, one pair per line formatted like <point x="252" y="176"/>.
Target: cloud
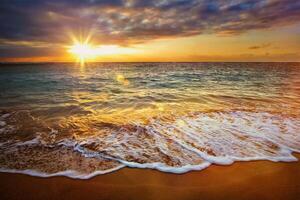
<point x="262" y="46"/>
<point x="136" y="21"/>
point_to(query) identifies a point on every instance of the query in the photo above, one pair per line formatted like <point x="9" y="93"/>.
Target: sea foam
<point x="177" y="145"/>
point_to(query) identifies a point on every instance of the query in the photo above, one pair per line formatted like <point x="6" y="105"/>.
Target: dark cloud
<point x="133" y="21"/>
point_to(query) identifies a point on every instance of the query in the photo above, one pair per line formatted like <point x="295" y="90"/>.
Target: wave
<point x="85" y="147"/>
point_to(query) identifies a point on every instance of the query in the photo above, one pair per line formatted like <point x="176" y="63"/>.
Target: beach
<point x="242" y="180"/>
<point x="150" y="131"/>
<point x="150" y="100"/>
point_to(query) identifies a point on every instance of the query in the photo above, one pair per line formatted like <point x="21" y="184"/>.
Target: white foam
<point x="4" y="116"/>
<point x="67" y="143"/>
<point x="2" y="123"/>
<point x="28" y="142"/>
<point x="164" y="168"/>
<point x="68" y="173"/>
<point x="190" y="142"/>
<point x="233" y="136"/>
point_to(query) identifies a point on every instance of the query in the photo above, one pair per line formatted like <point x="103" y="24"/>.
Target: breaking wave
<point x="83" y="147"/>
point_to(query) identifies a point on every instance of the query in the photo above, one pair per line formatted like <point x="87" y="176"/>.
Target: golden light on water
<point x="122" y="80"/>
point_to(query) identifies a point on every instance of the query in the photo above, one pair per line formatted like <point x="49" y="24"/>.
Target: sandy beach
<point x="149" y="100"/>
<point x="242" y="180"/>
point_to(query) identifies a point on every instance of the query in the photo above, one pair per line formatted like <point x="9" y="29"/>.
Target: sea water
<point x="80" y="121"/>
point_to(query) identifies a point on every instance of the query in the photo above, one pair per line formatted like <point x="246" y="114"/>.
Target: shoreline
<point x="241" y="180"/>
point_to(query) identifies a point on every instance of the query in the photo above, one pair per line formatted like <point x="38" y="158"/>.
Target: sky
<point x="150" y="30"/>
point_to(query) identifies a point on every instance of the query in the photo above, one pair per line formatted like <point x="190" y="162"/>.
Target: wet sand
<point x="242" y="180"/>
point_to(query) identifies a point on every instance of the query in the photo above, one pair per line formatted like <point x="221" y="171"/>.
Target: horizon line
<point x="69" y="62"/>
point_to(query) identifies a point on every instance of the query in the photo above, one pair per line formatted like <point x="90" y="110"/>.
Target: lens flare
<point x="122" y="80"/>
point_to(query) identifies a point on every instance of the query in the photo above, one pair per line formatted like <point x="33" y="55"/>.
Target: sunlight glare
<point x="85" y="50"/>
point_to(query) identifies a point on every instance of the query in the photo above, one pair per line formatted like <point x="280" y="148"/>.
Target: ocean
<point x="81" y="121"/>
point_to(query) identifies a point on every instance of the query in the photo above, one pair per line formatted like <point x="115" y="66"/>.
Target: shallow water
<point x="62" y="119"/>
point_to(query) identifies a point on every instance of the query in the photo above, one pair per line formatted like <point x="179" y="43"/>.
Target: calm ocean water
<point x="62" y="119"/>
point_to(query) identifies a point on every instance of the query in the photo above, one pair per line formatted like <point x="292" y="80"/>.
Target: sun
<point x="82" y="51"/>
